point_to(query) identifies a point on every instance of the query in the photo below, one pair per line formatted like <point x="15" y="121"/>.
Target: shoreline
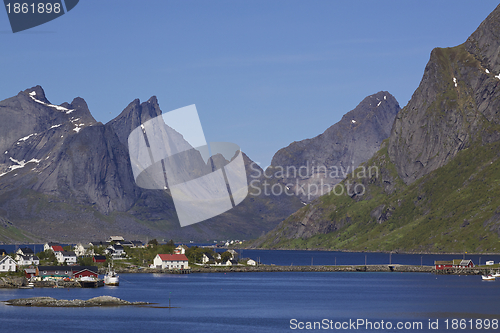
<point x="20" y="282"/>
<point x="314" y="268"/>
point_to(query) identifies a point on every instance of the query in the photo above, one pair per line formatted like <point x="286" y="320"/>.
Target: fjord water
<point x="259" y="302"/>
<point x="299" y="257"/>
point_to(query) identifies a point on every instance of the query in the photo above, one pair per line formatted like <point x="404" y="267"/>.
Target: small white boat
<point x="30" y="285"/>
<point x="89" y="282"/>
<point x="111" y="279"/>
<point x="488" y="277"/>
<point x="497" y="274"/>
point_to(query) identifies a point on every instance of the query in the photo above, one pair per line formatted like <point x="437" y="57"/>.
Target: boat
<point x="488" y="277"/>
<point x="30" y="285"/>
<point x="111" y="279"/>
<point x="90" y="282"/>
<point x="497" y="274"/>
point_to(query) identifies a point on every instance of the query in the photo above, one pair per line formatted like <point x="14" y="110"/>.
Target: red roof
<point x="57" y="248"/>
<point x="172" y="257"/>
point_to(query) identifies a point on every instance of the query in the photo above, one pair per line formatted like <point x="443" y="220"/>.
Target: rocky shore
<point x="52" y="302"/>
<point x="13" y="281"/>
<point x="317" y="268"/>
<point x="361" y="268"/>
<point x="60" y="284"/>
<point x="272" y="268"/>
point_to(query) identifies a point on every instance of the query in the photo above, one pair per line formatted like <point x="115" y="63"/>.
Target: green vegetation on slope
<point x="450" y="210"/>
<point x="11" y="234"/>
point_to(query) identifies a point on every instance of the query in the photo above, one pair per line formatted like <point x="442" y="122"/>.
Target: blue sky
<point x="261" y="73"/>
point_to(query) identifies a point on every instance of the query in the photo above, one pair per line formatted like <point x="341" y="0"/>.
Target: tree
<point x="194" y="253"/>
<point x="48" y="256"/>
<point x="153" y="242"/>
<point x="85" y="261"/>
<point x="226" y="256"/>
<point x="99" y="250"/>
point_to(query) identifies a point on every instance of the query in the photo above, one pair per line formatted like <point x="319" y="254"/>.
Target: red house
<point x="99" y="259"/>
<point x="57" y="248"/>
<point x="455" y="263"/>
<point x="30" y="272"/>
<point x="85" y="272"/>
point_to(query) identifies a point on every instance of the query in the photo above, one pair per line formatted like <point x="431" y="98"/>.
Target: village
<point x="79" y="265"/>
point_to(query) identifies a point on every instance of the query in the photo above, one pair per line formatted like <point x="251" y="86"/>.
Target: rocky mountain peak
<point x="81" y="113"/>
<point x="37" y="92"/>
<point x="484" y="43"/>
<point x="326" y="159"/>
<point x="135" y="114"/>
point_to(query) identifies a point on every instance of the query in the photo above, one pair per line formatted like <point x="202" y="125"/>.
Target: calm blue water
<point x="292" y="257"/>
<point x="260" y="302"/>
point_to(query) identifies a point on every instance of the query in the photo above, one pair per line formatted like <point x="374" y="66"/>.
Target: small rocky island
<point x="52" y="302"/>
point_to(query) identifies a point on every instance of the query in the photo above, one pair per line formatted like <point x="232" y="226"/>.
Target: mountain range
<point x="435" y="181"/>
<point x="66" y="177"/>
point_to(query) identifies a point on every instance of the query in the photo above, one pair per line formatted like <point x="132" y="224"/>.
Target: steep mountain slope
<point x="66" y="177"/>
<point x="313" y="166"/>
<point x="436" y="188"/>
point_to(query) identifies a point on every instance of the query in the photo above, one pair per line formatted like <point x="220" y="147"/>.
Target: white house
<point x="171" y="261"/>
<point x="206" y="258"/>
<point x="181" y="249"/>
<point x="27" y="260"/>
<point x="115" y="250"/>
<point x="25" y="251"/>
<point x="231" y="262"/>
<point x="7" y="264"/>
<point x="116" y="239"/>
<point x="234" y="254"/>
<point x="66" y="256"/>
<point x="138" y="244"/>
<point x="251" y="262"/>
<point x="83" y="250"/>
